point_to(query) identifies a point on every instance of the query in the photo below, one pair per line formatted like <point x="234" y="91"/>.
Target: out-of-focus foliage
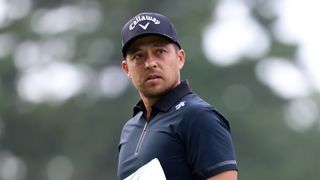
<point x="77" y="137"/>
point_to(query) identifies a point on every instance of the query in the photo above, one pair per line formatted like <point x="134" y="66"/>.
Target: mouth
<point x="153" y="77"/>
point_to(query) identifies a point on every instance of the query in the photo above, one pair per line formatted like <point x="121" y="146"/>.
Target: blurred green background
<point x="64" y="97"/>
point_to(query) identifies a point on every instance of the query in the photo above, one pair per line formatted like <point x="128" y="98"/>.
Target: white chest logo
<point x="181" y="104"/>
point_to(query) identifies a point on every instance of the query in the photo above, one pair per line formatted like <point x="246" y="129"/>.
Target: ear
<point x="181" y="58"/>
<point x="125" y="68"/>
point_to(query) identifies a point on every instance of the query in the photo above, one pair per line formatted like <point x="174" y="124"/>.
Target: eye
<point x="137" y="56"/>
<point x="160" y="51"/>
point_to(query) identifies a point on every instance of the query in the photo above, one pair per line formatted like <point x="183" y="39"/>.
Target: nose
<point x="150" y="61"/>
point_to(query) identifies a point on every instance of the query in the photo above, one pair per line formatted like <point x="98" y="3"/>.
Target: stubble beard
<point x="154" y="92"/>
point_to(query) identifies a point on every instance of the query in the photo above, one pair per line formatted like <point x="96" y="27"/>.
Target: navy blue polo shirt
<point x="190" y="138"/>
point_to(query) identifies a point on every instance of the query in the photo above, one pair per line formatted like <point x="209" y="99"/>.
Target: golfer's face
<point x="153" y="64"/>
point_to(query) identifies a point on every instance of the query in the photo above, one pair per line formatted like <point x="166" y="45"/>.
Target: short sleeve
<point x="208" y="142"/>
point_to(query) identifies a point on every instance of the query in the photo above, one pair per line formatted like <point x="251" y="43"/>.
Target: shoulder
<point x="196" y="104"/>
<point x="131" y="125"/>
<point x="134" y="121"/>
<point x="201" y="112"/>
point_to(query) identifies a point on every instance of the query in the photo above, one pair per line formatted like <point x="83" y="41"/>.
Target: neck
<point x="148" y="103"/>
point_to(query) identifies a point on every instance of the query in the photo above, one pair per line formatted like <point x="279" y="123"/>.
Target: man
<point x="188" y="136"/>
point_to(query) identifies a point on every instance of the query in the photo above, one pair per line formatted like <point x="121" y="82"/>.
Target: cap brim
<point x="128" y="43"/>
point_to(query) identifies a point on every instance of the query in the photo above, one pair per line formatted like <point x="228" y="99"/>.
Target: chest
<point x="160" y="138"/>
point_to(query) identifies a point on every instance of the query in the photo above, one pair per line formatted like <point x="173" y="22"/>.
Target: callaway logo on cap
<point x="143" y="19"/>
<point x="147" y="23"/>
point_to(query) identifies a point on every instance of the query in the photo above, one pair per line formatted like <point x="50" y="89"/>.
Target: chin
<point x="154" y="92"/>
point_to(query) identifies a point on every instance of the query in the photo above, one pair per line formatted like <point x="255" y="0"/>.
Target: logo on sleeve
<point x="181" y="104"/>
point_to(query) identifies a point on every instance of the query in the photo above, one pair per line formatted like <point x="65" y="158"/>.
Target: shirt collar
<point x="168" y="100"/>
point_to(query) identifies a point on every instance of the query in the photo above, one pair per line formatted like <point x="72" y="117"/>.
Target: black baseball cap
<point x="147" y="23"/>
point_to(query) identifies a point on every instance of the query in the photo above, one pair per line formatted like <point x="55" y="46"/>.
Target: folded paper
<point x="151" y="170"/>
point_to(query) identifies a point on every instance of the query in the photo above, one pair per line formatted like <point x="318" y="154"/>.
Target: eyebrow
<point x="158" y="43"/>
<point x="133" y="50"/>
